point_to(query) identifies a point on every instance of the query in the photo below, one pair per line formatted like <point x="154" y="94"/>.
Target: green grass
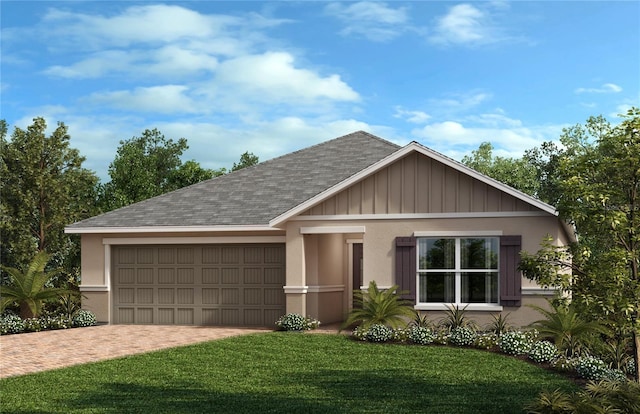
<point x="287" y="373"/>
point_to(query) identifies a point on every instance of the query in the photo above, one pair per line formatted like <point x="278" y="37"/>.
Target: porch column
<point x="295" y="289"/>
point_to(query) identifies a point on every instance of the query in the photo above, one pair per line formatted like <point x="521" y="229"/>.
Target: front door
<point x="357" y="267"/>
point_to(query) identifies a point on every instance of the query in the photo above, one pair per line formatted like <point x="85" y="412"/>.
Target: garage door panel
<point x="211" y="276"/>
<point x="210" y="296"/>
<point x="144" y="276"/>
<point x="166" y="316"/>
<point x="126" y="276"/>
<point x="145" y="255"/>
<point x="144" y="296"/>
<point x="252" y="276"/>
<point x="233" y="285"/>
<point x="144" y="316"/>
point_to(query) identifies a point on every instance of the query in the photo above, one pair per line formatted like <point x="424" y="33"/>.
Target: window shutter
<point x="510" y="276"/>
<point x="406" y="266"/>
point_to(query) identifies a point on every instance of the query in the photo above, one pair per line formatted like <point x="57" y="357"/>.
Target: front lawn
<point x="287" y="373"/>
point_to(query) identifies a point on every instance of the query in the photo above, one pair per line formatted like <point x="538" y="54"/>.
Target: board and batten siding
<point x="417" y="184"/>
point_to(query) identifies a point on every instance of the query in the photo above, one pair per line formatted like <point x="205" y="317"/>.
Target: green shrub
<point x="598" y="397"/>
<point x="379" y="333"/>
<point x="84" y="318"/>
<point x="421" y="335"/>
<point x="10" y="323"/>
<point x="400" y="334"/>
<point x="499" y="324"/>
<point x="462" y="336"/>
<point x="441" y="337"/>
<point x="515" y="343"/>
<point x="592" y="368"/>
<point x="488" y="340"/>
<point x="380" y="306"/>
<point x="34" y="325"/>
<point x="296" y="322"/>
<point x="543" y="351"/>
<point x="455" y="317"/>
<point x="630" y="367"/>
<point x="564" y="363"/>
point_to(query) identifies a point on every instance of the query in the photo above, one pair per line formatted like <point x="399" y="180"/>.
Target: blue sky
<point x="273" y="77"/>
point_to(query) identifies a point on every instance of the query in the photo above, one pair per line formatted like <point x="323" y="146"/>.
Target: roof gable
<point x="523" y="202"/>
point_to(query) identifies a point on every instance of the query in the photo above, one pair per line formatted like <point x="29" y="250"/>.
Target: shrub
<point x="592" y="368"/>
<point x="84" y="318"/>
<point x="456" y="318"/>
<point x="34" y="325"/>
<point x="359" y="333"/>
<point x="462" y="336"/>
<point x="543" y="351"/>
<point x="380" y="306"/>
<point x="441" y="337"/>
<point x="10" y="323"/>
<point x="564" y="363"/>
<point x="296" y="322"/>
<point x="399" y="335"/>
<point x="515" y="343"/>
<point x="499" y="324"/>
<point x="379" y="333"/>
<point x="630" y="366"/>
<point x="486" y="341"/>
<point x="58" y="322"/>
<point x="421" y="335"/>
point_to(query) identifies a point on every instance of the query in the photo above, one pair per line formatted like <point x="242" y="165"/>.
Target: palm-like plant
<point x="28" y="287"/>
<point x="376" y="306"/>
<point x="566" y="328"/>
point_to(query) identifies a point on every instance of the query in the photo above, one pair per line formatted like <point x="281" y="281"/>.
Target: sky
<point x="275" y="77"/>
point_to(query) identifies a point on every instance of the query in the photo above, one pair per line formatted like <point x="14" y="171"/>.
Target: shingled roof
<point x="252" y="196"/>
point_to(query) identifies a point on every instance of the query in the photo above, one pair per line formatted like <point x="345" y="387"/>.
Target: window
<point x="458" y="270"/>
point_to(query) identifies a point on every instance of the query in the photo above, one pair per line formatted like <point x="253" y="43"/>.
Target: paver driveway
<point x="40" y="351"/>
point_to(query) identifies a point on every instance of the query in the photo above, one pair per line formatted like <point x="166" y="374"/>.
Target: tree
<point x="29" y="288"/>
<point x="517" y="173"/>
<point x="246" y="160"/>
<point x="148" y="166"/>
<point x="599" y="182"/>
<point x="44" y="188"/>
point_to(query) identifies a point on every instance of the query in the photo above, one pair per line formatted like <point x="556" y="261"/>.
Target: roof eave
<point x="167" y="229"/>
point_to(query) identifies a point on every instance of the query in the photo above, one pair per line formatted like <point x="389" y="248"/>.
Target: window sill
<point x="481" y="307"/>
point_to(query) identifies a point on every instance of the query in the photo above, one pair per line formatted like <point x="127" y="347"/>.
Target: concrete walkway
<point x="40" y="351"/>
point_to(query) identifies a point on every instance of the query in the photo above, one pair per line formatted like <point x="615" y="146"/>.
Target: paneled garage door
<point x="234" y="285"/>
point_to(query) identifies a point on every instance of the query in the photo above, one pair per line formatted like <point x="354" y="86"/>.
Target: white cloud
<point x="149" y="24"/>
<point x="604" y="88"/>
<point x="375" y="21"/>
<point x="466" y="24"/>
<point x="415" y="117"/>
<point x="272" y="76"/>
<point x="509" y="136"/>
<point x="161" y="99"/>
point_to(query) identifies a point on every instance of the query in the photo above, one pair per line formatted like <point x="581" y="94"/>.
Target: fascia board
<point x="413" y="146"/>
<point x="165" y="229"/>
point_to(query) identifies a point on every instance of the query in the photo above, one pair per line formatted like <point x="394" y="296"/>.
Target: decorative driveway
<point x="40" y="351"/>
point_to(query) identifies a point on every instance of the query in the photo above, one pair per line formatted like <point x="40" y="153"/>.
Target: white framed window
<point x="458" y="270"/>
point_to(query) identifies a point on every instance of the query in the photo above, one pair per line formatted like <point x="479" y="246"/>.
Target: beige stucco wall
<point x="379" y="248"/>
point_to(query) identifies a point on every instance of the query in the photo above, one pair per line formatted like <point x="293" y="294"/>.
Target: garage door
<point x="234" y="285"/>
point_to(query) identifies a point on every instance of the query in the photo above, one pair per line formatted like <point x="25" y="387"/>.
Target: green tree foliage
<point x="148" y="166"/>
<point x="28" y="287"/>
<point x="246" y="160"/>
<point x="44" y="188"/>
<point x="599" y="182"/>
<point x="517" y="173"/>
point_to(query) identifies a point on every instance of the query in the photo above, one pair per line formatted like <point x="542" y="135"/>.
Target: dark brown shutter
<point x="510" y="277"/>
<point x="406" y="266"/>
